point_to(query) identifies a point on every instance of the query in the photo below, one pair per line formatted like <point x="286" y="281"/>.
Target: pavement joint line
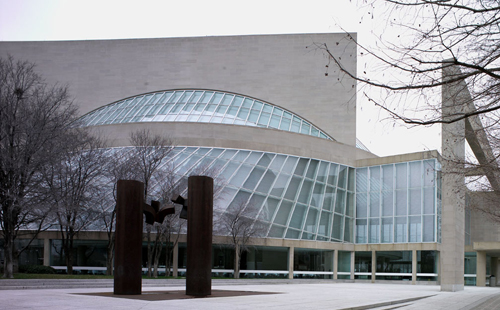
<point x="387" y="303"/>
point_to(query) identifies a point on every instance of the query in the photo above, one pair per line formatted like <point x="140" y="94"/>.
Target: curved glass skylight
<point x="203" y="106"/>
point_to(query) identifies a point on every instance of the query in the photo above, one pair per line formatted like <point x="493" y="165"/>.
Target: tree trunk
<point x="69" y="260"/>
<point x="110" y="256"/>
<point x="157" y="254"/>
<point x="237" y="254"/>
<point x="168" y="260"/>
<point x="8" y="268"/>
<point x="150" y="252"/>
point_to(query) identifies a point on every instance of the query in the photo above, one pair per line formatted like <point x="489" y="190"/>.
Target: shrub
<point x="39" y="269"/>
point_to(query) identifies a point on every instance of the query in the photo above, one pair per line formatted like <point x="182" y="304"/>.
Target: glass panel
<point x="348" y="230"/>
<point x="264" y="119"/>
<point x="275" y="121"/>
<point x="318" y="193"/>
<point x="342" y="176"/>
<point x="289" y="164"/>
<point x="415" y="229"/>
<point x="247" y="103"/>
<point x="254" y="178"/>
<point x="340" y="202"/>
<point x="311" y="221"/>
<point x="429" y="228"/>
<point x="305" y="128"/>
<point x="361" y="205"/>
<point x="361" y="230"/>
<point x="278" y="162"/>
<point x="276" y="232"/>
<point x="415" y="174"/>
<point x="241" y="156"/>
<point x="301" y="166"/>
<point x="387" y="203"/>
<point x="254" y="205"/>
<point x="280" y="185"/>
<point x="265" y="160"/>
<point x="240" y="199"/>
<point x="254" y="115"/>
<point x="329" y="198"/>
<point x="350" y="204"/>
<point x="387" y="230"/>
<point x="401" y="205"/>
<point x="401" y="177"/>
<point x="311" y="170"/>
<point x="253" y="158"/>
<point x="374" y="231"/>
<point x="429" y="198"/>
<point x="298" y="216"/>
<point x="285" y="124"/>
<point x="283" y="213"/>
<point x="352" y="179"/>
<point x="415" y="201"/>
<point x="344" y="261"/>
<point x="305" y="192"/>
<point x="324" y="224"/>
<point x="243" y="113"/>
<point x="338" y="226"/>
<point x="322" y="172"/>
<point x="375" y="178"/>
<point x="269" y="209"/>
<point x="374" y="204"/>
<point x="240" y="176"/>
<point x="400" y="229"/>
<point x="267" y="181"/>
<point x="332" y="174"/>
<point x="295" y="124"/>
<point x="292" y="234"/>
<point x="291" y="191"/>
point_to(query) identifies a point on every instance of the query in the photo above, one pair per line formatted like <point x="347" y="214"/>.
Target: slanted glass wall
<point x="312" y="264"/>
<point x="202" y="106"/>
<point x="396" y="203"/>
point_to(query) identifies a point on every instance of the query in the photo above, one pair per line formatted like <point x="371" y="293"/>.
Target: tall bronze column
<point x="128" y="234"/>
<point x="199" y="236"/>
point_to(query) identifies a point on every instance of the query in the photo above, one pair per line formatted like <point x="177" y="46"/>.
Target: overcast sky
<point x="35" y="20"/>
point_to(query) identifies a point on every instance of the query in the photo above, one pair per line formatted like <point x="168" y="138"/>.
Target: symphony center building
<point x="281" y="136"/>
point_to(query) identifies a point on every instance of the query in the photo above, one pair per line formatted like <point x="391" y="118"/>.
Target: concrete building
<point x="260" y="111"/>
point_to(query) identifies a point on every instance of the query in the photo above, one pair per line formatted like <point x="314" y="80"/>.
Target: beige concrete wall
<point x="285" y="70"/>
<point x="240" y="137"/>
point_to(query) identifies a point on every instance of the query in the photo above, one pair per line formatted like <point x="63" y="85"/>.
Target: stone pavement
<point x="299" y="295"/>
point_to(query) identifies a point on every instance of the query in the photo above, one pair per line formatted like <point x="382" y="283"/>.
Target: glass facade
<point x="202" y="106"/>
<point x="312" y="264"/>
<point x="397" y="203"/>
<point x="394" y="265"/>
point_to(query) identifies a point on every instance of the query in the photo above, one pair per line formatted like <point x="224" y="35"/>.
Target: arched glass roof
<point x="203" y="106"/>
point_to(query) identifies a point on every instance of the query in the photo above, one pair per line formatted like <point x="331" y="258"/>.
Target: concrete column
<point x="352" y="265"/>
<point x="413" y="266"/>
<point x="374" y="265"/>
<point x="453" y="183"/>
<point x="46" y="252"/>
<point x="175" y="261"/>
<point x="335" y="264"/>
<point x="290" y="262"/>
<point x="481" y="268"/>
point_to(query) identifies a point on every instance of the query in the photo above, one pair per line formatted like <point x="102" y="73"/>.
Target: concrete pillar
<point x="352" y="265"/>
<point x="481" y="268"/>
<point x="290" y="262"/>
<point x="414" y="266"/>
<point x="335" y="264"/>
<point x="175" y="261"/>
<point x="374" y="265"/>
<point x="453" y="184"/>
<point x="46" y="252"/>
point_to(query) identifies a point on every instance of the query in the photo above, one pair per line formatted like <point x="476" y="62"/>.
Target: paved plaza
<point x="290" y="295"/>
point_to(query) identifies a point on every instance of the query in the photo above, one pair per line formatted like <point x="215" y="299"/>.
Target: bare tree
<point x="240" y="222"/>
<point x="34" y="118"/>
<point x="429" y="52"/>
<point x="150" y="151"/>
<point x="75" y="186"/>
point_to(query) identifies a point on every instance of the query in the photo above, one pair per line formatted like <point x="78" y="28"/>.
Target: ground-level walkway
<point x="290" y="295"/>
